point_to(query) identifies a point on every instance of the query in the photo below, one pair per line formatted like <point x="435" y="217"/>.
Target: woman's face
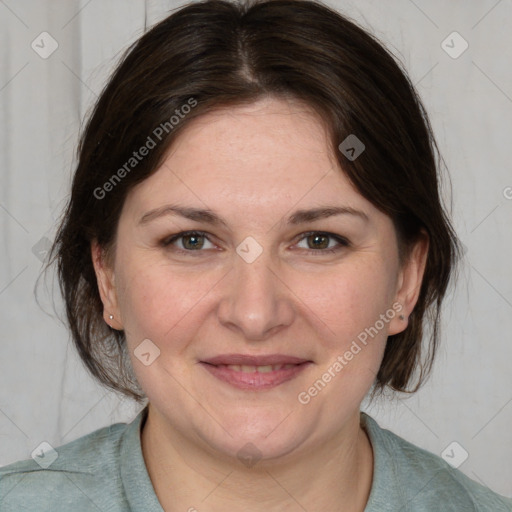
<point x="261" y="281"/>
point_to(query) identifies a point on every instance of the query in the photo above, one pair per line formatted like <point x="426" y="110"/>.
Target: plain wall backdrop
<point x="45" y="392"/>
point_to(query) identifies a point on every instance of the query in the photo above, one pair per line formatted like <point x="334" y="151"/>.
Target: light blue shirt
<point x="105" y="472"/>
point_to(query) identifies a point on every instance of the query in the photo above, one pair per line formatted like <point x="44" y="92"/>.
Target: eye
<point x="319" y="240"/>
<point x="191" y="241"/>
<point x="194" y="241"/>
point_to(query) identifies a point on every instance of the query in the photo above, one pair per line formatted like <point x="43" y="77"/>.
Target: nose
<point x="256" y="301"/>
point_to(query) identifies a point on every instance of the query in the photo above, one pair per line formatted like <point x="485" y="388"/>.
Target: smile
<point x="261" y="369"/>
<point x="255" y="378"/>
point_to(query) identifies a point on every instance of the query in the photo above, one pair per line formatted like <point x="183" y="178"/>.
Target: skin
<point x="254" y="166"/>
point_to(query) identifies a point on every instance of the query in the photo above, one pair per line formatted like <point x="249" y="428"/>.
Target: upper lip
<point x="248" y="360"/>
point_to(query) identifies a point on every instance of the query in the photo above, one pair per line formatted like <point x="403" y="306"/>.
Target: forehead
<point x="259" y="132"/>
<point x="272" y="155"/>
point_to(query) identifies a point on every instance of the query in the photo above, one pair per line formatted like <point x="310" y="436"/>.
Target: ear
<point x="409" y="283"/>
<point x="105" y="278"/>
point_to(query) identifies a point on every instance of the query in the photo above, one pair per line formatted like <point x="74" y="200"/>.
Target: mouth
<point x="255" y="372"/>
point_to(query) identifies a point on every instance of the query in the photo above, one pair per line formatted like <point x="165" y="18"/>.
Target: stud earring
<point x="111" y="317"/>
<point x="402" y="317"/>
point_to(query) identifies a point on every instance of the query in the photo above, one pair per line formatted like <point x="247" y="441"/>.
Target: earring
<point x="111" y="317"/>
<point x="402" y="317"/>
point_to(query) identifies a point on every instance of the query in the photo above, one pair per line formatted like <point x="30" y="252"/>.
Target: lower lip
<point x="255" y="381"/>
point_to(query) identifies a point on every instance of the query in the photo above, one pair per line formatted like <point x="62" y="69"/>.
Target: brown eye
<point x="191" y="241"/>
<point x="320" y="243"/>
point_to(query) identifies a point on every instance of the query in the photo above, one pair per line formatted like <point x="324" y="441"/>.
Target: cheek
<point x="349" y="299"/>
<point x="154" y="301"/>
<point x="353" y="337"/>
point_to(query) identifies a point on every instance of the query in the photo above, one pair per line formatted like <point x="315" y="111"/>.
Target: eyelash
<point x="343" y="242"/>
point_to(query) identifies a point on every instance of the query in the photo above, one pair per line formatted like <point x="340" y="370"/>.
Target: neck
<point x="333" y="475"/>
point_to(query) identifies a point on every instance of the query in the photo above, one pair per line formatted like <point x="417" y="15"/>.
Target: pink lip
<point x="254" y="381"/>
<point x="248" y="360"/>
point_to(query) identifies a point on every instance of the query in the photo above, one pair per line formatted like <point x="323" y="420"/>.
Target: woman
<point x="254" y="242"/>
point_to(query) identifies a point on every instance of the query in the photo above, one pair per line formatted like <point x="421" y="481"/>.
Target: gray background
<point x="46" y="395"/>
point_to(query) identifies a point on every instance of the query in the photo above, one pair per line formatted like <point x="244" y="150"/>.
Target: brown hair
<point x="216" y="53"/>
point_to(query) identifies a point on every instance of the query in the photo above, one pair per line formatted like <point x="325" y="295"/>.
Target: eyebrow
<point x="210" y="217"/>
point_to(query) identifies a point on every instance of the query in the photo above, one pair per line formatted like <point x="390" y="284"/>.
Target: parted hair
<point x="217" y="53"/>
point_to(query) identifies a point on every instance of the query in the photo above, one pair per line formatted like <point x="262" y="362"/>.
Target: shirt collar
<point x="136" y="482"/>
<point x="385" y="490"/>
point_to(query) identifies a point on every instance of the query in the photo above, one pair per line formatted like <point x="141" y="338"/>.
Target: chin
<point x="255" y="438"/>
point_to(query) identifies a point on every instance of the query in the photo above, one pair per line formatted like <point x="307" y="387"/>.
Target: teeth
<point x="260" y="369"/>
<point x="265" y="369"/>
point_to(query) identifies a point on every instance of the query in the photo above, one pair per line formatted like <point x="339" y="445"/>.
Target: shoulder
<point x="421" y="481"/>
<point x="79" y="475"/>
